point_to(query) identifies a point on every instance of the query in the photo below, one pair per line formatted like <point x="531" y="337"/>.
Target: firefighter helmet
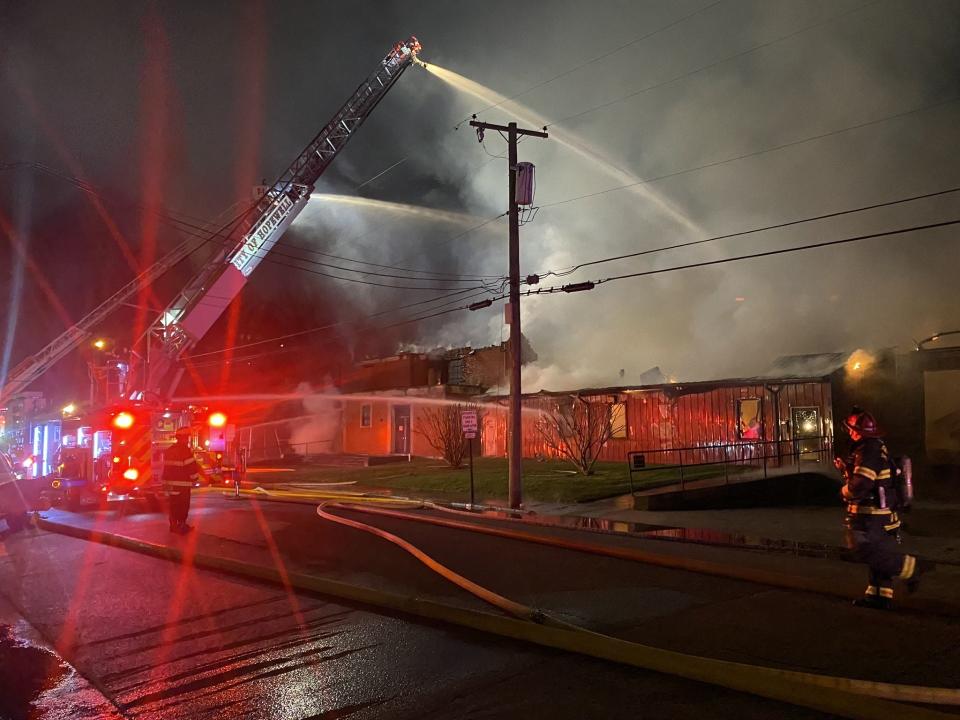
<point x="863" y="422"/>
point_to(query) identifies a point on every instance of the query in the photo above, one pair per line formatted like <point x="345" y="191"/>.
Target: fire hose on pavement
<point x="807" y="689"/>
<point x="734" y="571"/>
<point x="844" y="697"/>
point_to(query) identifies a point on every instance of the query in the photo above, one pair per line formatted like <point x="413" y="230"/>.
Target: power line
<point x="753" y="154"/>
<point x="208" y="237"/>
<point x="722" y="261"/>
<point x="382" y="172"/>
<point x="602" y="56"/>
<point x="193" y="230"/>
<point x="268" y="257"/>
<point x="319" y="263"/>
<point x="588" y="62"/>
<point x="164" y="215"/>
<point x="359" y="281"/>
<point x="393" y="267"/>
<point x="462" y="293"/>
<point x="398" y="268"/>
<point x="792" y="143"/>
<point x="432" y="313"/>
<point x="782" y="251"/>
<point x="722" y="60"/>
<point x="91" y="189"/>
<point x="777" y="226"/>
<point x="180" y="225"/>
<point x="449" y="277"/>
<point x="568" y="288"/>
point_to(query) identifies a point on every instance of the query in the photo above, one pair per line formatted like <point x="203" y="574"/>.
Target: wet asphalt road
<point x="164" y="642"/>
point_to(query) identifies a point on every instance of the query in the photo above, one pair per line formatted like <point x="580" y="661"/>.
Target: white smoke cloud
<point x="320" y="432"/>
<point x="856" y="63"/>
<point x="881" y="61"/>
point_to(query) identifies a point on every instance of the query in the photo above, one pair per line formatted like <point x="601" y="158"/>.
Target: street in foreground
<point x="163" y="640"/>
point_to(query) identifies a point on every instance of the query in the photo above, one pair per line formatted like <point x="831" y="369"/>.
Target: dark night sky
<point x="186" y="105"/>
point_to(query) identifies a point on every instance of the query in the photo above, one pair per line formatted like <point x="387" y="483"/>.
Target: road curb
<point x="763" y="682"/>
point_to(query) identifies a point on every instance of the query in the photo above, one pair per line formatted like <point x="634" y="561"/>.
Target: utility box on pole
<point x="526" y="183"/>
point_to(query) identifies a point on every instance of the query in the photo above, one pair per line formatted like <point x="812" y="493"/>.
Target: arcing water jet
<point x="568" y="140"/>
<point x="414" y="211"/>
<point x="333" y="397"/>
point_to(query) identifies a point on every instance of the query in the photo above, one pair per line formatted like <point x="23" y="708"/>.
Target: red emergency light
<point x="217" y="419"/>
<point x="123" y="420"/>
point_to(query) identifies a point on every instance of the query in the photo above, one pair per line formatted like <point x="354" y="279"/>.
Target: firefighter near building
<point x="876" y="487"/>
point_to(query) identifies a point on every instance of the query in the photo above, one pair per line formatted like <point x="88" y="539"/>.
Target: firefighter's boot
<point x="913" y="569"/>
<point x="872" y="602"/>
<point x="875" y="598"/>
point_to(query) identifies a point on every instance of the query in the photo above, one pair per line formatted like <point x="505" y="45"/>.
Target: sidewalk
<point x="930" y="529"/>
<point x="36" y="682"/>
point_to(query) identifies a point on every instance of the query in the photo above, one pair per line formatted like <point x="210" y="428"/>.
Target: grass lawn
<point x="548" y="481"/>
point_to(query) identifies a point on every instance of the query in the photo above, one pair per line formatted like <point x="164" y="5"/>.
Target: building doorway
<point x="807" y="432"/>
<point x="401" y="429"/>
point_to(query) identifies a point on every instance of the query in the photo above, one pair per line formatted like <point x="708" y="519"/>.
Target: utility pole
<point x="515" y="446"/>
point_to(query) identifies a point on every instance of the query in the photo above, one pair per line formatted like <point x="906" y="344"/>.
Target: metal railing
<point x="272" y="446"/>
<point x="744" y="460"/>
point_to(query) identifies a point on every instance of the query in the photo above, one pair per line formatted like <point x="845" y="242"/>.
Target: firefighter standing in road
<point x="180" y="472"/>
<point x="871" y="501"/>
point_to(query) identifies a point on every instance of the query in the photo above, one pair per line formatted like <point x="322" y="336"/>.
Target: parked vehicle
<point x="18" y="496"/>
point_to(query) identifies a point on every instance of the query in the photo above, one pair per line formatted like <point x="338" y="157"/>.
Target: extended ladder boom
<point x="37" y="364"/>
<point x="203" y="300"/>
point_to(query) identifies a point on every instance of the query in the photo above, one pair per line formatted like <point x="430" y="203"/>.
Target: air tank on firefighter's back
<point x="906" y="469"/>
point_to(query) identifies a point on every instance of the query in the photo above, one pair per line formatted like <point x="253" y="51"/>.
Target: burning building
<point x="683" y="423"/>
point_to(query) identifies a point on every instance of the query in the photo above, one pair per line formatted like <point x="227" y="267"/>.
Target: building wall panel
<point x="678" y="424"/>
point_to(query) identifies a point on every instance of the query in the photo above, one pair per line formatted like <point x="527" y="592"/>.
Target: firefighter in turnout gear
<point x="180" y="472"/>
<point x="871" y="520"/>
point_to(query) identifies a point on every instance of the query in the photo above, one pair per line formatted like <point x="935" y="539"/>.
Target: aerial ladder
<point x="201" y="302"/>
<point x="37" y="364"/>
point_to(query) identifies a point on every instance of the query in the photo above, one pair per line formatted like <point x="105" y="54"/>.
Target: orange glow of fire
<point x="859" y="362"/>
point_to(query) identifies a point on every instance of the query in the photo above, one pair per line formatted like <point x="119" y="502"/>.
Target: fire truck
<point x="117" y="451"/>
